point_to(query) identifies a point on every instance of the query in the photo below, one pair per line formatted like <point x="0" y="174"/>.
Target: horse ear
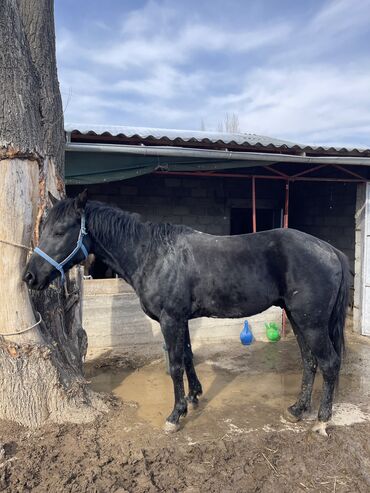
<point x="52" y="199"/>
<point x="80" y="201"/>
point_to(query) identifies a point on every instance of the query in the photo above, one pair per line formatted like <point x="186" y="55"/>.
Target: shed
<point x="219" y="183"/>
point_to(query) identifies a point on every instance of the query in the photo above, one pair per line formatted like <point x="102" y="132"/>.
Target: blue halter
<point x="79" y="246"/>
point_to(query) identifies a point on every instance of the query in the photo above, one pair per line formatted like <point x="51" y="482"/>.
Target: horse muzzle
<point x="36" y="275"/>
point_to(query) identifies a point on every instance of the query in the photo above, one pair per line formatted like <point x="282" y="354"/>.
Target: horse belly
<point x="233" y="302"/>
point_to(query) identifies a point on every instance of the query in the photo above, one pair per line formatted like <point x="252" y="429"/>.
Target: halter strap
<point x="79" y="246"/>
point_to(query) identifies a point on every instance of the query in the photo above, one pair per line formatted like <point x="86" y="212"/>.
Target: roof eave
<point x="225" y="155"/>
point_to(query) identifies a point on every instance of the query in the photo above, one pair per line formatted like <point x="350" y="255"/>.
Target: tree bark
<point x="41" y="374"/>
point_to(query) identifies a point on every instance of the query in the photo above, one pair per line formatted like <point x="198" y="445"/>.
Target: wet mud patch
<point x="106" y="457"/>
<point x="247" y="387"/>
<point x="236" y="441"/>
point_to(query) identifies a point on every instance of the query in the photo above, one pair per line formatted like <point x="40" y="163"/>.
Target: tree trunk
<point x="41" y="375"/>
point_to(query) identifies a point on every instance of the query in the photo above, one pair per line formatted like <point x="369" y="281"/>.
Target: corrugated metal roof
<point x="174" y="134"/>
<point x="204" y="137"/>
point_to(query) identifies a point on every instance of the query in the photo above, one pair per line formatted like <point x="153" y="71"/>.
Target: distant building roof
<point x="197" y="138"/>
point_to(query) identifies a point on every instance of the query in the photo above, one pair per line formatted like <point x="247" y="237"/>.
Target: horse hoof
<point x="193" y="401"/>
<point x="290" y="417"/>
<point x="320" y="428"/>
<point x="171" y="427"/>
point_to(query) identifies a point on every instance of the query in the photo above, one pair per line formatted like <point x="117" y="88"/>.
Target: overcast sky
<point x="297" y="70"/>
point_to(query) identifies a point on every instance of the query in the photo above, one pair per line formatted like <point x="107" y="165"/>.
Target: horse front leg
<point x="173" y="331"/>
<point x="195" y="387"/>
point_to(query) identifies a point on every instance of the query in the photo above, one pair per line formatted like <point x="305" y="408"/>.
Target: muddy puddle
<point x="237" y="397"/>
<point x="223" y="391"/>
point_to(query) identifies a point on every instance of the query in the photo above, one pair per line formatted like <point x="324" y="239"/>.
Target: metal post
<point x="285" y="225"/>
<point x="286" y="206"/>
<point x="254" y="218"/>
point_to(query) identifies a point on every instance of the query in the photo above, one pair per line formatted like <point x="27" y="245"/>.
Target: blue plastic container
<point x="246" y="336"/>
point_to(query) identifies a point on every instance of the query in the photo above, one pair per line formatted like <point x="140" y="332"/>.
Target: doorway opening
<point x="241" y="220"/>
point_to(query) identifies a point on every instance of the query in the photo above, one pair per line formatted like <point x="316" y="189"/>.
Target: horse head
<point x="63" y="243"/>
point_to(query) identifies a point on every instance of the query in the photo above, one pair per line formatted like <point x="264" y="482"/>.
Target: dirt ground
<point x="235" y="441"/>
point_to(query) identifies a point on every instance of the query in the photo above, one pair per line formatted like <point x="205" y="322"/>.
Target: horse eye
<point x="59" y="233"/>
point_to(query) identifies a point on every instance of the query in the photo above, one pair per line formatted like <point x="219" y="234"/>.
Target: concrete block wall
<point x="326" y="210"/>
<point x="202" y="203"/>
<point x="194" y="202"/>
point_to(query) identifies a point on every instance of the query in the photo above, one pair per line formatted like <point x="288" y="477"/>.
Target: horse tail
<point x="339" y="312"/>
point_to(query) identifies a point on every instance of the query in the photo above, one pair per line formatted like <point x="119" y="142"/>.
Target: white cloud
<point x="211" y="38"/>
<point x="313" y="103"/>
<point x="80" y="81"/>
<point x="168" y="66"/>
<point x="342" y="16"/>
<point x="164" y="82"/>
<point x="64" y="43"/>
<point x="89" y="108"/>
<point x="153" y="17"/>
<point x="157" y="34"/>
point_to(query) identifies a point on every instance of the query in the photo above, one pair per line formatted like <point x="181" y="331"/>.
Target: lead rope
<point x="19" y="245"/>
<point x="24" y="330"/>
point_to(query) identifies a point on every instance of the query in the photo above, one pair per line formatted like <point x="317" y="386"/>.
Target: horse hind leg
<point x="195" y="387"/>
<point x="303" y="402"/>
<point x="329" y="363"/>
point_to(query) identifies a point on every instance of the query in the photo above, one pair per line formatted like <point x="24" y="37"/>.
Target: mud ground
<point x="235" y="441"/>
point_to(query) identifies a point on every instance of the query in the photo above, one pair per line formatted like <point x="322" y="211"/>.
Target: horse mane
<point x="108" y="220"/>
<point x="61" y="209"/>
<point x="128" y="226"/>
<point x="166" y="232"/>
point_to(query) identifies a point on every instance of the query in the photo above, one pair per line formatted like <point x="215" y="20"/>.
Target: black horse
<point x="180" y="274"/>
